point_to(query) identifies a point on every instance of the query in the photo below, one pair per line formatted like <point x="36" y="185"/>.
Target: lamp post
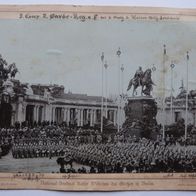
<point x="187" y="92"/>
<point x="171" y="104"/>
<point x="118" y="53"/>
<point x="102" y="65"/>
<point x="106" y="88"/>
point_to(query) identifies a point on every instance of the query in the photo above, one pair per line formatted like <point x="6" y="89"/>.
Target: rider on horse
<point x="138" y="76"/>
<point x="142" y="79"/>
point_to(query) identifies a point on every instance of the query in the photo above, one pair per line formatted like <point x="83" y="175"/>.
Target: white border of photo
<point x="150" y="3"/>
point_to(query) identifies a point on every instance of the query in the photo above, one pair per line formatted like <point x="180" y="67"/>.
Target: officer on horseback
<point x="138" y="75"/>
<point x="142" y="79"/>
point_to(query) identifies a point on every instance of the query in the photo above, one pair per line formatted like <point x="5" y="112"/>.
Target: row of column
<point x="79" y="116"/>
<point x="39" y="113"/>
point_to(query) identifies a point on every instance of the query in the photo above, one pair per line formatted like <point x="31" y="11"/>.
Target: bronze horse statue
<point x="145" y="82"/>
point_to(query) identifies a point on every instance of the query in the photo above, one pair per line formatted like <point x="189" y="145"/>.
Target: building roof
<point x="84" y="97"/>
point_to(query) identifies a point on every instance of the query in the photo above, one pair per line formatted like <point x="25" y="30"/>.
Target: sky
<point x="67" y="52"/>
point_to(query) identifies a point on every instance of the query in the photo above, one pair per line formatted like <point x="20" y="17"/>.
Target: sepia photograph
<point x="92" y="95"/>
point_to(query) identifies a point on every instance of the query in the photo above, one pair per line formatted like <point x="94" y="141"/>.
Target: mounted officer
<point x="138" y="76"/>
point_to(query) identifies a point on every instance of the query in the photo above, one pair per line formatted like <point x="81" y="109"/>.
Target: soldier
<point x="138" y="75"/>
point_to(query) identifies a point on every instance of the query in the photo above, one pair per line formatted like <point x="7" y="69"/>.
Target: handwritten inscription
<point x="28" y="176"/>
<point x="175" y="181"/>
<point x="85" y="17"/>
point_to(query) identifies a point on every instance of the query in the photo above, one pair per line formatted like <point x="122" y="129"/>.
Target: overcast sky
<point x="67" y="52"/>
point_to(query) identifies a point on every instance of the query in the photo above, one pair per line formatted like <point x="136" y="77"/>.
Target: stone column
<point x="54" y="114"/>
<point x="24" y="111"/>
<point x="38" y="112"/>
<point x="13" y="114"/>
<point x="64" y="114"/>
<point x="47" y="113"/>
<point x="106" y="112"/>
<point x="78" y="117"/>
<point x="94" y="116"/>
<point x="91" y="117"/>
<point x="19" y="109"/>
<point x="34" y="113"/>
<point x="81" y="117"/>
<point x="87" y="115"/>
<point x="43" y="113"/>
<point x="57" y="114"/>
<point x="114" y="116"/>
<point x="19" y="114"/>
<point x="68" y="116"/>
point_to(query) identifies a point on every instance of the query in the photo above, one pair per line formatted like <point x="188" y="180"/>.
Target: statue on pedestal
<point x="140" y="112"/>
<point x="142" y="79"/>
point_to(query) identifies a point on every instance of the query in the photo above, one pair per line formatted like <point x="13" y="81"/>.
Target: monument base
<point x="140" y="115"/>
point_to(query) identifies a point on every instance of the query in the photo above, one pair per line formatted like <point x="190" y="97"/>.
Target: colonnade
<point x="78" y="115"/>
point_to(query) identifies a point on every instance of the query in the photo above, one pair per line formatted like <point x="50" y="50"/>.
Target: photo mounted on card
<point x="97" y="98"/>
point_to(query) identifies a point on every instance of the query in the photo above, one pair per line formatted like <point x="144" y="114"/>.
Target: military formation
<point x="5" y="142"/>
<point x="29" y="149"/>
<point x="99" y="153"/>
<point x="44" y="141"/>
<point x="136" y="157"/>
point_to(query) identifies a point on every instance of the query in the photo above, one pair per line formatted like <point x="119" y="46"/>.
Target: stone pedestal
<point x="140" y="115"/>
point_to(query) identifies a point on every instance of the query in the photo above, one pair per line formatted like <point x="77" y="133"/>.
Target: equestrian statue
<point x="142" y="79"/>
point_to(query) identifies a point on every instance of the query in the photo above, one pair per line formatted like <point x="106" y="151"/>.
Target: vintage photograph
<point x="97" y="96"/>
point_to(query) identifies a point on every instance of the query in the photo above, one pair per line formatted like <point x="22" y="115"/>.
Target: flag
<point x="164" y="50"/>
<point x="102" y="57"/>
<point x="187" y="55"/>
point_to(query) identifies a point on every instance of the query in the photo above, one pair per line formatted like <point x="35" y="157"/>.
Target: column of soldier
<point x="43" y="140"/>
<point x="101" y="153"/>
<point x="133" y="156"/>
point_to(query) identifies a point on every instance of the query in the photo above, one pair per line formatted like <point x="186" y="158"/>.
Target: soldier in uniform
<point x="138" y="75"/>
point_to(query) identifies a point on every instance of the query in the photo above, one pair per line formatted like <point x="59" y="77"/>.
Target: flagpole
<point x="171" y="104"/>
<point x="164" y="114"/>
<point x="119" y="99"/>
<point x="106" y="89"/>
<point x="122" y="90"/>
<point x="122" y="78"/>
<point x="102" y="67"/>
<point x="187" y="92"/>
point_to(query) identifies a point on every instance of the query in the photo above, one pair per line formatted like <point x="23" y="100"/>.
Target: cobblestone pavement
<point x="9" y="164"/>
<point x="43" y="165"/>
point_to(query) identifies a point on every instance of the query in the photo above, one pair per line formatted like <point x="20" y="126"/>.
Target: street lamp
<point x="118" y="53"/>
<point x="106" y="88"/>
<point x="102" y="60"/>
<point x="171" y="95"/>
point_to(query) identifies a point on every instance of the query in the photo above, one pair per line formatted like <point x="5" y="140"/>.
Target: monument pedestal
<point x="140" y="115"/>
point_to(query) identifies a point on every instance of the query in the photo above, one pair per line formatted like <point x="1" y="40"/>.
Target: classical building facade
<point x="175" y="109"/>
<point x="49" y="103"/>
